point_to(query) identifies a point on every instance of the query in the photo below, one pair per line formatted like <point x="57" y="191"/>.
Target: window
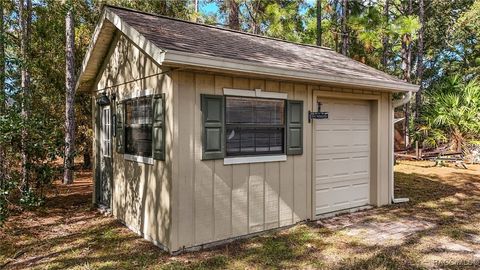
<point x="138" y="126"/>
<point x="254" y="126"/>
<point x="106" y="132"/>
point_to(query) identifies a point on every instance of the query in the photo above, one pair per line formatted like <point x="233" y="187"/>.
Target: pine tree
<point x="69" y="97"/>
<point x="344" y="18"/>
<point x="233" y="15"/>
<point x="2" y="89"/>
<point x="25" y="17"/>
<point x="385" y="38"/>
<point x="319" y="22"/>
<point x="418" y="96"/>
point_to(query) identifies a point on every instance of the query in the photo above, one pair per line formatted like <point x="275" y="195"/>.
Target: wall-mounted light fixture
<point x="103" y="99"/>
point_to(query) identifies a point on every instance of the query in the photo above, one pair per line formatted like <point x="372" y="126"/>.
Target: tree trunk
<point x="25" y="17"/>
<point x="2" y="91"/>
<point x="69" y="98"/>
<point x="418" y="96"/>
<point x="385" y="36"/>
<point x="233" y="20"/>
<point x="87" y="159"/>
<point x="344" y="27"/>
<point x="406" y="55"/>
<point x="319" y="22"/>
<point x="195" y="10"/>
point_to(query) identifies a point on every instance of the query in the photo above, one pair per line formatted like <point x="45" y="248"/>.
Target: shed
<point x="204" y="134"/>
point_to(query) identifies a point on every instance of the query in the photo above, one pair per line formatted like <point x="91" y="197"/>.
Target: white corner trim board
<point x="139" y="159"/>
<point x="253" y="159"/>
<point x="253" y="93"/>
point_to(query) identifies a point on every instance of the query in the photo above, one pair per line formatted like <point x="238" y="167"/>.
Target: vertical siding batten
<point x="204" y="170"/>
<point x="222" y="181"/>
<point x="256" y="185"/>
<point x="300" y="162"/>
<point x="272" y="180"/>
<point x="240" y="186"/>
<point x="186" y="158"/>
<point x="287" y="172"/>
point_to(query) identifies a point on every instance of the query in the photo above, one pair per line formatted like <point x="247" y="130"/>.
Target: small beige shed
<point x="204" y="134"/>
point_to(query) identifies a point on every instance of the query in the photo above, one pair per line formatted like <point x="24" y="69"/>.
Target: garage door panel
<point x="342" y="164"/>
<point x="342" y="156"/>
<point x="340" y="181"/>
<point x="341" y="197"/>
<point x="334" y="141"/>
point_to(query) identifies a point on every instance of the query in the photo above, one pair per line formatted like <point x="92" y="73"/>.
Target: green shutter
<point x="213" y="127"/>
<point x="158" y="128"/>
<point x="120" y="128"/>
<point x="294" y="127"/>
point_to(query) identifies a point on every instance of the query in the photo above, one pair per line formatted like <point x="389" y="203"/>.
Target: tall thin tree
<point x="385" y="39"/>
<point x="2" y="88"/>
<point x="25" y="17"/>
<point x="418" y="95"/>
<point x="319" y="22"/>
<point x="233" y="14"/>
<point x="70" y="96"/>
<point x="406" y="54"/>
<point x="344" y="19"/>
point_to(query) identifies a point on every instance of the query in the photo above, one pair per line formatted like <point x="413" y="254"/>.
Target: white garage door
<point x="342" y="156"/>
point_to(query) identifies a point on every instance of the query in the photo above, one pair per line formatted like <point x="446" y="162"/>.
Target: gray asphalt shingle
<point x="173" y="34"/>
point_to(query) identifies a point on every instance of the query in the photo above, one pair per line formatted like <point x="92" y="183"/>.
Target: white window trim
<point x="139" y="159"/>
<point x="137" y="94"/>
<point x="254" y="93"/>
<point x="253" y="159"/>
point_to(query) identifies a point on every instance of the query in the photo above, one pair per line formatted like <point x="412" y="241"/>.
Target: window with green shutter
<point x="158" y="128"/>
<point x="254" y="126"/>
<point x="294" y="127"/>
<point x="213" y="126"/>
<point x="246" y="126"/>
<point x="119" y="128"/>
<point x="140" y="127"/>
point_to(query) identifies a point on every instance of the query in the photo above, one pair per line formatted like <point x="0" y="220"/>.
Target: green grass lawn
<point x="66" y="233"/>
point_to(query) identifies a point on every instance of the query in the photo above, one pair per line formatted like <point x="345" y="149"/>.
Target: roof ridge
<point x="216" y="27"/>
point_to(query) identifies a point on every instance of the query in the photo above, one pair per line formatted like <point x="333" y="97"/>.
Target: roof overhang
<point x="100" y="44"/>
<point x="176" y="58"/>
<point x="109" y="22"/>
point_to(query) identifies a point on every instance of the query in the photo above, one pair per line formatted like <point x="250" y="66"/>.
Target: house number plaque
<point x="317" y="115"/>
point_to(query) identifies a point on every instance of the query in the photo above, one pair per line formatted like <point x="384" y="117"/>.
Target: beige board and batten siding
<point x="213" y="201"/>
<point x="141" y="192"/>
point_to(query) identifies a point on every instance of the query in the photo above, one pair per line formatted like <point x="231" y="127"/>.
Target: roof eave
<point x="109" y="17"/>
<point x="211" y="62"/>
<point x="79" y="86"/>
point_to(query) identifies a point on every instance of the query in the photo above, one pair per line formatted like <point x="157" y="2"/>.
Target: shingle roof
<point x="183" y="36"/>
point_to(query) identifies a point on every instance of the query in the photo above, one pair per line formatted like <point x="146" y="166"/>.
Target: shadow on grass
<point x="420" y="188"/>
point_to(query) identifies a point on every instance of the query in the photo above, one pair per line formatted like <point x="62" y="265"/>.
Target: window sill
<point x="139" y="159"/>
<point x="253" y="159"/>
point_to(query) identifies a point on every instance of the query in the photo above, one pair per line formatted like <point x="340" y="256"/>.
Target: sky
<point x="208" y="8"/>
<point x="212" y="7"/>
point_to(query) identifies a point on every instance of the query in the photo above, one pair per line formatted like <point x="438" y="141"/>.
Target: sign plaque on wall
<point x="317" y="115"/>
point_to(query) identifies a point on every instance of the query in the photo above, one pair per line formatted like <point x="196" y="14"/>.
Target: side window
<point x="138" y="126"/>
